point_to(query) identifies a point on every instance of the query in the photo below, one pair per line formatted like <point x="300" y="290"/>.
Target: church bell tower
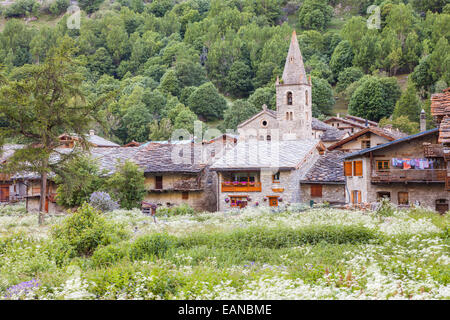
<point x="293" y="91"/>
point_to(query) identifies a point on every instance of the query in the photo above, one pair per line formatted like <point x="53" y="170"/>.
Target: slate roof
<point x="156" y="157"/>
<point x="253" y="154"/>
<point x="8" y="150"/>
<point x="328" y="168"/>
<point x="294" y="69"/>
<point x="108" y="158"/>
<point x="440" y="103"/>
<point x="394" y="142"/>
<point x="100" y="142"/>
<point x="330" y="133"/>
<point x="389" y="135"/>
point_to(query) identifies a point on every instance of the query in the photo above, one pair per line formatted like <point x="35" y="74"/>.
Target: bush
<point x="102" y="201"/>
<point x="180" y="210"/>
<point x="85" y="230"/>
<point x="21" y="8"/>
<point x="59" y="6"/>
<point x="109" y="255"/>
<point x="151" y="245"/>
<point x="127" y="185"/>
<point x="385" y="208"/>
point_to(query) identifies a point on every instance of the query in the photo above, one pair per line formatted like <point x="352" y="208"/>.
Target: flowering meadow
<point x="253" y="253"/>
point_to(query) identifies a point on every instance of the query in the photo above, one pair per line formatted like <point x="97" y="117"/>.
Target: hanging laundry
<point x="406" y="164"/>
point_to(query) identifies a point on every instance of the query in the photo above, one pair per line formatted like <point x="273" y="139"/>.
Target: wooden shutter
<point x="359" y="196"/>
<point x="158" y="182"/>
<point x="185" y="195"/>
<point x="316" y="190"/>
<point x="348" y="168"/>
<point x="357" y="168"/>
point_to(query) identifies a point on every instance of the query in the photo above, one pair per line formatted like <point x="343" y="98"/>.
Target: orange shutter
<point x="316" y="190"/>
<point x="347" y="168"/>
<point x="358" y="168"/>
<point x="359" y="196"/>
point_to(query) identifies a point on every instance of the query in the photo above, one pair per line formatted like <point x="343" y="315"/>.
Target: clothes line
<point x="416" y="163"/>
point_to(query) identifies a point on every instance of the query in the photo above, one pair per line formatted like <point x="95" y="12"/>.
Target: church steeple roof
<point x="294" y="69"/>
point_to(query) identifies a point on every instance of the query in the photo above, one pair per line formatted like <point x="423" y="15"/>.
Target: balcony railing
<point x="433" y="150"/>
<point x="241" y="187"/>
<point x="410" y="175"/>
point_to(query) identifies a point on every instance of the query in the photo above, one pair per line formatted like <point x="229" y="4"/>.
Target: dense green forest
<point x="167" y="63"/>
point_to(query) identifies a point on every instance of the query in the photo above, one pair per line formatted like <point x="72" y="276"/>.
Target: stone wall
<point x="332" y="193"/>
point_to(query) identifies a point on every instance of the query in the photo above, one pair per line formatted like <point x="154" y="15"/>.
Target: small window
<point x="383" y="194"/>
<point x="382" y="165"/>
<point x="365" y="144"/>
<point x="355" y="197"/>
<point x="403" y="198"/>
<point x="276" y="177"/>
<point x="348" y="168"/>
<point x="316" y="190"/>
<point x="357" y="168"/>
<point x="158" y="182"/>
<point x="185" y="195"/>
<point x="264" y="123"/>
<point x="306" y="97"/>
<point x="287" y="115"/>
<point x="268" y="138"/>
<point x="289" y="98"/>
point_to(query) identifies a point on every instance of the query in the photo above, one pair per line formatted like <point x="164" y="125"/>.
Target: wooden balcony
<point x="411" y="175"/>
<point x="247" y="187"/>
<point x="433" y="150"/>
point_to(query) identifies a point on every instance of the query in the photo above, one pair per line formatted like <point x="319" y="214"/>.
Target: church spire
<point x="294" y="70"/>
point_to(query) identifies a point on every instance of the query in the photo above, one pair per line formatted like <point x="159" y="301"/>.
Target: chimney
<point x="367" y="123"/>
<point x="91" y="132"/>
<point x="423" y="121"/>
<point x="338" y="115"/>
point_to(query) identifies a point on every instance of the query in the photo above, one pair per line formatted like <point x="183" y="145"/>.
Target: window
<point x="238" y="201"/>
<point x="355" y="197"/>
<point x="353" y="168"/>
<point x="158" y="182"/>
<point x="316" y="190"/>
<point x="383" y="194"/>
<point x="36" y="189"/>
<point x="306" y="97"/>
<point x="365" y="144"/>
<point x="185" y="195"/>
<point x="382" y="165"/>
<point x="276" y="177"/>
<point x="291" y="115"/>
<point x="403" y="198"/>
<point x="268" y="138"/>
<point x="348" y="168"/>
<point x="357" y="168"/>
<point x="287" y="115"/>
<point x="289" y="98"/>
<point x="264" y="123"/>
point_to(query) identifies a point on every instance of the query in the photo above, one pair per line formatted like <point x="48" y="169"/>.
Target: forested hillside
<point x="167" y="63"/>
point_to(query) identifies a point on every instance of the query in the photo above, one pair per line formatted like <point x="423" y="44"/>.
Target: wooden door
<point x="273" y="201"/>
<point x="158" y="182"/>
<point x="4" y="193"/>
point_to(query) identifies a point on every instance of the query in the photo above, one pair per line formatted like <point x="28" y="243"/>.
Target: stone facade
<point x="331" y="193"/>
<point x="427" y="190"/>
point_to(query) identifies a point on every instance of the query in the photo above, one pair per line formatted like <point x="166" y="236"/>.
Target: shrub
<point x="127" y="185"/>
<point x="21" y="8"/>
<point x="151" y="245"/>
<point x="59" y="6"/>
<point x="85" y="230"/>
<point x="108" y="255"/>
<point x="102" y="201"/>
<point x="183" y="209"/>
<point x="385" y="208"/>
